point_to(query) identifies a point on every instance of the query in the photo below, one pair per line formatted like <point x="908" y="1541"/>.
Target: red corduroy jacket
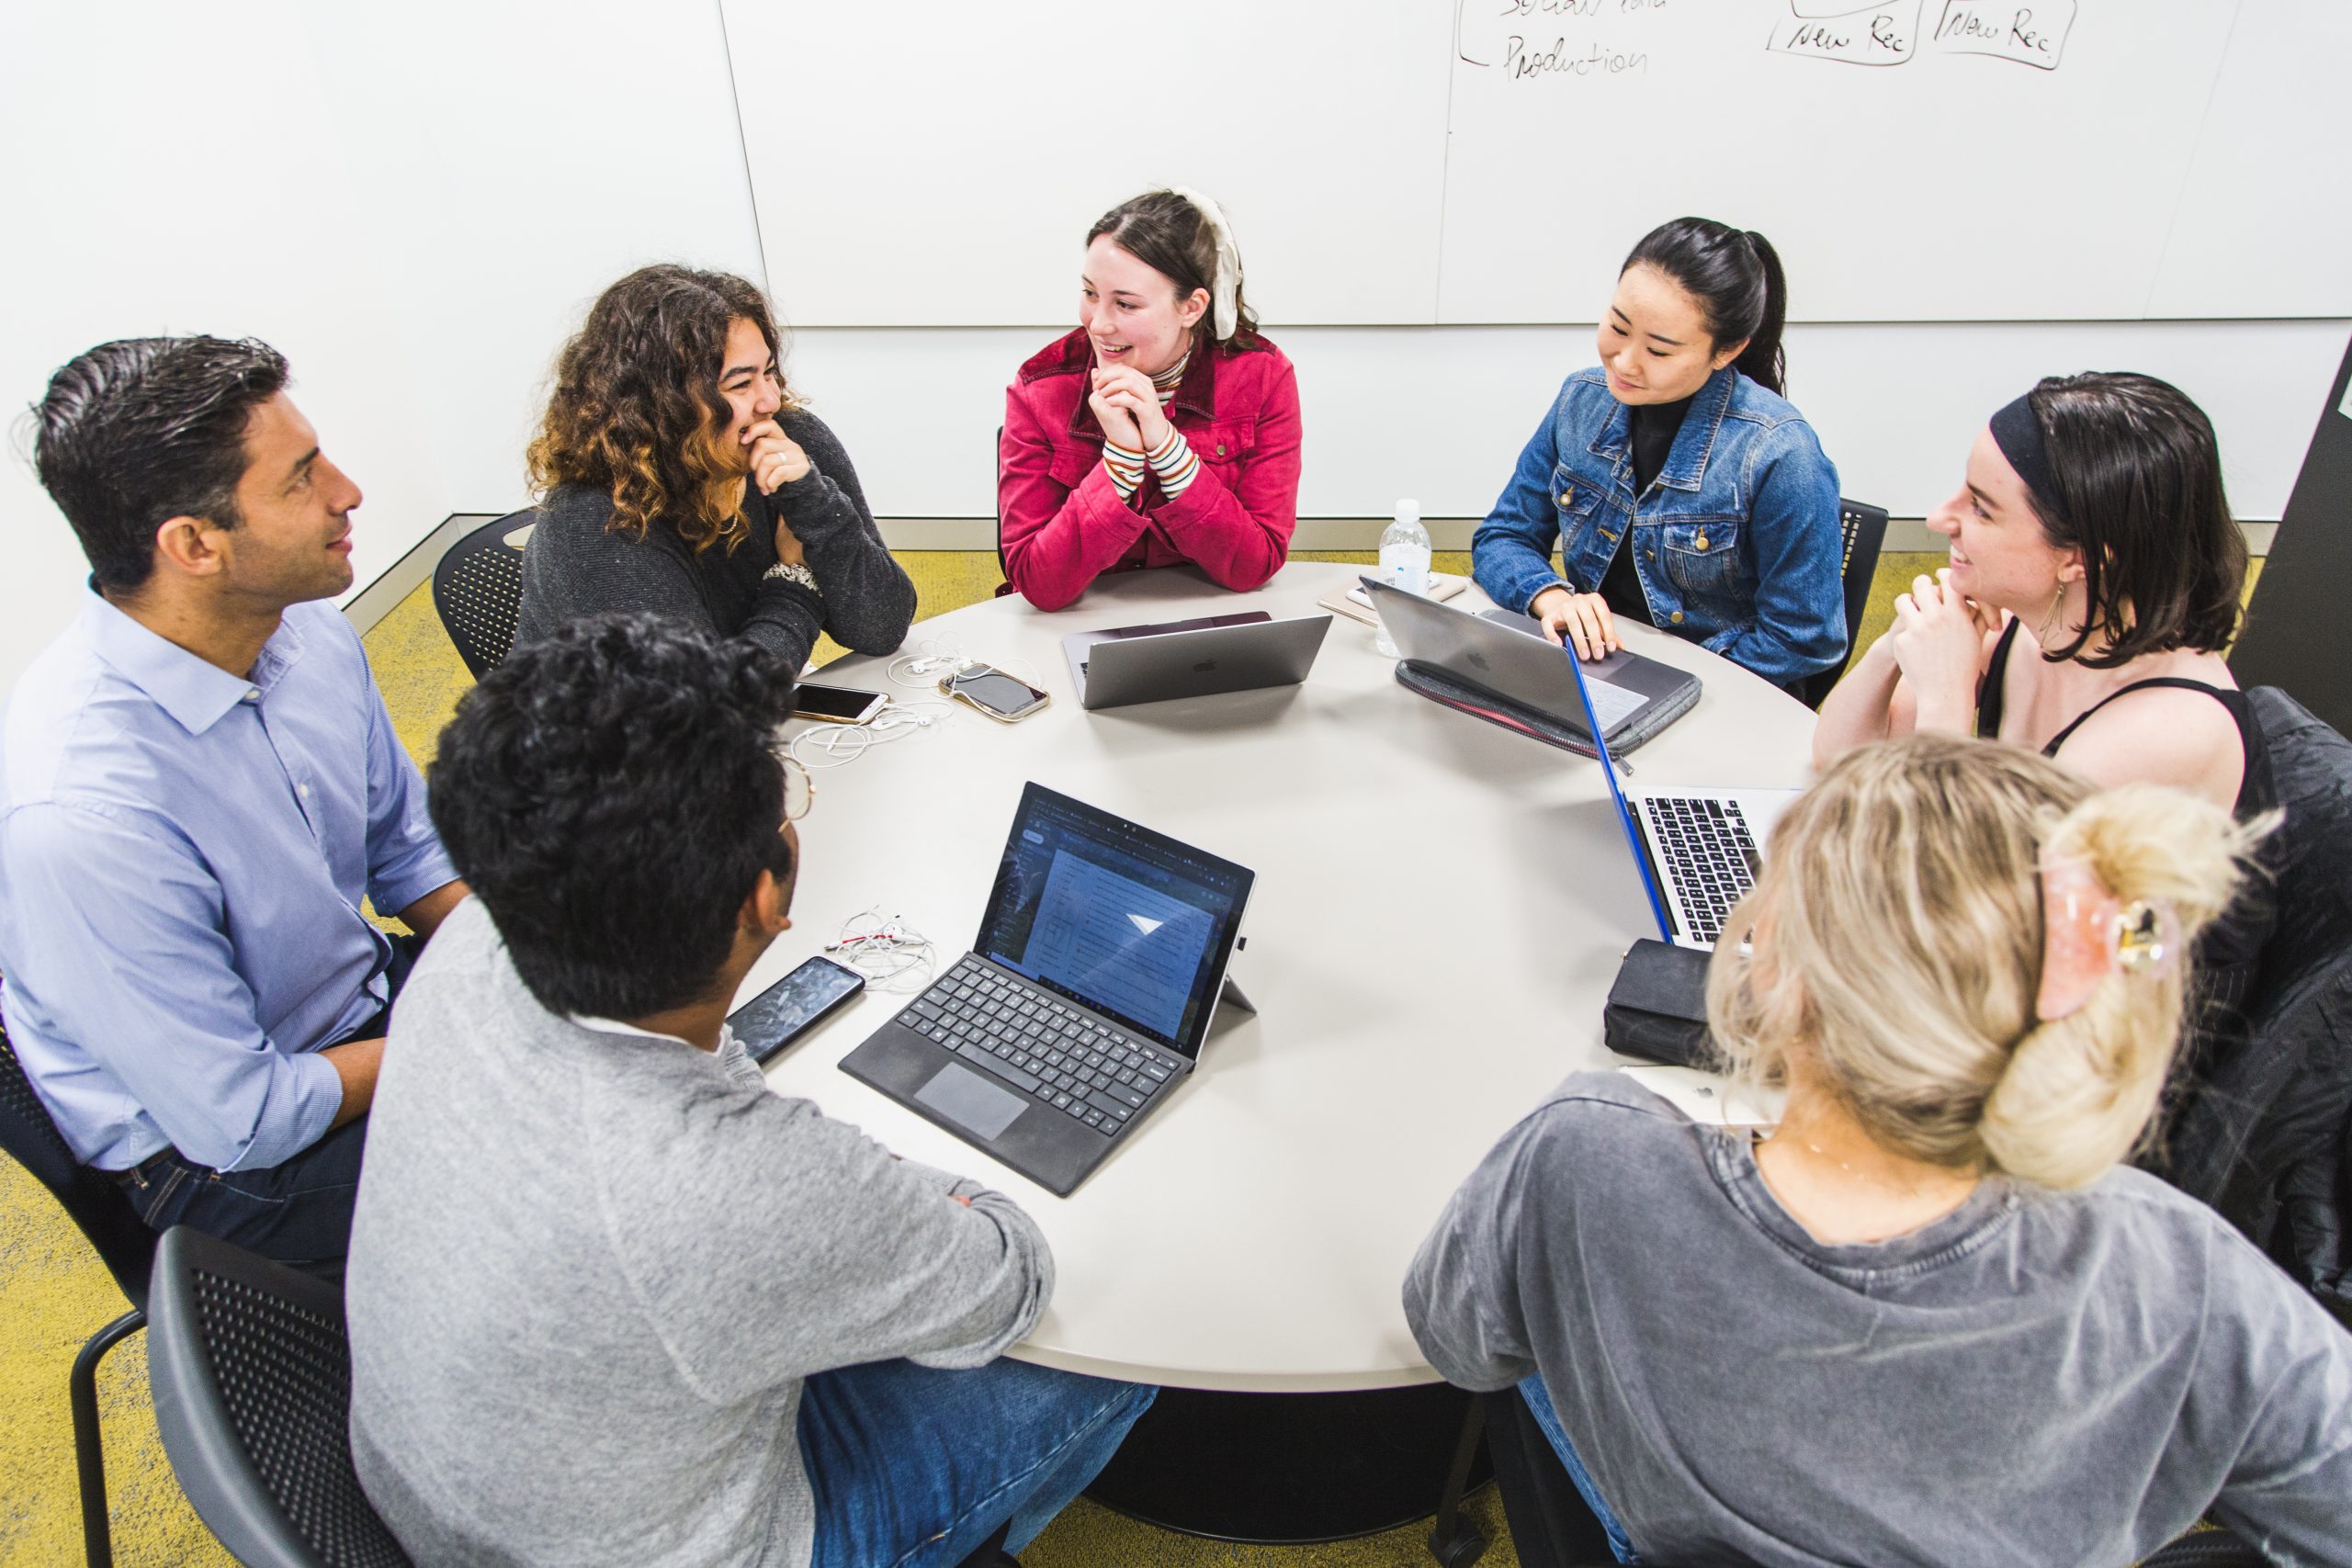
<point x="1060" y="521"/>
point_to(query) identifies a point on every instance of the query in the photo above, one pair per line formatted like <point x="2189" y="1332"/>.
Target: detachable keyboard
<point x="1710" y="857"/>
<point x="1052" y="1053"/>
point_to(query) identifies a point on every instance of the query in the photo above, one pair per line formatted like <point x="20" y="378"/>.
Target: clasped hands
<point x="1127" y="404"/>
<point x="1939" y="638"/>
<point x="774" y="460"/>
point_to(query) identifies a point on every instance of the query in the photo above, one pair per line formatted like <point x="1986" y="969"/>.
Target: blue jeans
<point x="915" y="1467"/>
<point x="1539" y="1405"/>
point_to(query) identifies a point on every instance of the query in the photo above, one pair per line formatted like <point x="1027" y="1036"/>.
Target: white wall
<point x="416" y="204"/>
<point x="413" y="203"/>
<point x="177" y="169"/>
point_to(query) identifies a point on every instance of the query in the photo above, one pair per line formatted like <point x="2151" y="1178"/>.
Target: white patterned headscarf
<point x="1224" y="291"/>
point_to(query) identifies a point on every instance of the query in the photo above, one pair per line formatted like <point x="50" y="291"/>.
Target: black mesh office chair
<point x="1864" y="529"/>
<point x="124" y="1244"/>
<point x="477" y="590"/>
<point x="1551" y="1528"/>
<point x="251" y="1377"/>
<point x="2264" y="1135"/>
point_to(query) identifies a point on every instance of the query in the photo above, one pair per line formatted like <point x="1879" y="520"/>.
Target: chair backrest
<point x="251" y="1374"/>
<point x="2283" y="1096"/>
<point x="996" y="489"/>
<point x="1863" y="531"/>
<point x="477" y="590"/>
<point x="123" y="1241"/>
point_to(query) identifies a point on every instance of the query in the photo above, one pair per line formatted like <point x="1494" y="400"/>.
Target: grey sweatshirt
<point x="575" y="566"/>
<point x="589" y="1270"/>
<point x="2036" y="1378"/>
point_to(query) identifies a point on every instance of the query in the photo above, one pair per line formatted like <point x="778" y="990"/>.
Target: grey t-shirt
<point x="589" y="1270"/>
<point x="2037" y="1378"/>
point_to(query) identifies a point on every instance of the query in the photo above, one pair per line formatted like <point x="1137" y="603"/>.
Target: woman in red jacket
<point x="1163" y="430"/>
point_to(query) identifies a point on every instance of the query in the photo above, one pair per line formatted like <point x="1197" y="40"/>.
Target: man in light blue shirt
<point x="199" y="786"/>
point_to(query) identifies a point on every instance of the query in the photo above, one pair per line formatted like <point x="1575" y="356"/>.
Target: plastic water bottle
<point x="1404" y="562"/>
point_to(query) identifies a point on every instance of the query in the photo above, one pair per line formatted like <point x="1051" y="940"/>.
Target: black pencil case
<point x="1657" y="1006"/>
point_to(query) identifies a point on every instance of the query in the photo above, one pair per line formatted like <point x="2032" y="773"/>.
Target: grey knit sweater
<point x="589" y="1270"/>
<point x="576" y="566"/>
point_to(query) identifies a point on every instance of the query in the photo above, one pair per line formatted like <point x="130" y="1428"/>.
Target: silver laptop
<point x="1698" y="850"/>
<point x="1509" y="657"/>
<point x="1101" y="958"/>
<point x="1119" y="665"/>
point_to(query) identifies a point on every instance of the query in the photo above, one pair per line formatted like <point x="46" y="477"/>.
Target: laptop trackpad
<point x="970" y="1101"/>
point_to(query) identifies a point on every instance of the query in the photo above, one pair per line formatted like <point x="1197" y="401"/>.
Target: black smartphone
<point x="837" y="704"/>
<point x="790" y="1008"/>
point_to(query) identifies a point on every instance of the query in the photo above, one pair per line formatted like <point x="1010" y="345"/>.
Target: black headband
<point x="2018" y="433"/>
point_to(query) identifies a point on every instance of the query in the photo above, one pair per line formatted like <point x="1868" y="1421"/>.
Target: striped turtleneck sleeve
<point x="1171" y="461"/>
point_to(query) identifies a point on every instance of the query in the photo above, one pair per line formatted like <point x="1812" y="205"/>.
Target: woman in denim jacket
<point x="1680" y="487"/>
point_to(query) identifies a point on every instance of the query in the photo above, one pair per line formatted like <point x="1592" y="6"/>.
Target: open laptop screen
<point x="1130" y="922"/>
<point x="1624" y="813"/>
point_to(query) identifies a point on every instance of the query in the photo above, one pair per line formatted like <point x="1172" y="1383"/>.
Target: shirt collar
<point x="195" y="693"/>
<point x="615" y="1026"/>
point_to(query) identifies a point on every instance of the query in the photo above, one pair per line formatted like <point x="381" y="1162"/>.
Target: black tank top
<point x="2228" y="951"/>
<point x="2256" y="793"/>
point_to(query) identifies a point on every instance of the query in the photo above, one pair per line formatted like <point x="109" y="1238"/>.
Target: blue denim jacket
<point x="1737" y="542"/>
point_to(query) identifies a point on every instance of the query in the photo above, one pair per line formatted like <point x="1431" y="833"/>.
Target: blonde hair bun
<point x="1897" y="929"/>
<point x="2078" y="1091"/>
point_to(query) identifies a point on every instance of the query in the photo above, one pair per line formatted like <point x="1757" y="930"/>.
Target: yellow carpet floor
<point x="56" y="1294"/>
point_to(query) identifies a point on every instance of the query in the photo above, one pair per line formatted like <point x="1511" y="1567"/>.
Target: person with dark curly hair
<point x="677" y="473"/>
<point x="610" y="1299"/>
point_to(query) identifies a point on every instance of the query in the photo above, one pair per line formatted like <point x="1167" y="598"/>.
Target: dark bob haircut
<point x="637" y="413"/>
<point x="2139" y="479"/>
<point x="612" y="795"/>
<point x="142" y="430"/>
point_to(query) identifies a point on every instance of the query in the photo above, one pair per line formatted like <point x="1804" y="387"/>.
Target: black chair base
<point x="1285" y="1469"/>
<point x="89" y="1449"/>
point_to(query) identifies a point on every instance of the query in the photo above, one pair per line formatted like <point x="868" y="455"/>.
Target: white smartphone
<point x="837" y="704"/>
<point x="1005" y="698"/>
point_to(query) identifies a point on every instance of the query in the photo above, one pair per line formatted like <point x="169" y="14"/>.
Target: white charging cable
<point x="890" y="953"/>
<point x="838" y="745"/>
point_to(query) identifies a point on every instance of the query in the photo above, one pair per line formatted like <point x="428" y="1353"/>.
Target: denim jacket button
<point x="1702" y="541"/>
<point x="1567" y="497"/>
<point x="1676" y="617"/>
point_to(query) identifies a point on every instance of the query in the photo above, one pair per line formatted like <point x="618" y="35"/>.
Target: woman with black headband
<point x="2094" y="580"/>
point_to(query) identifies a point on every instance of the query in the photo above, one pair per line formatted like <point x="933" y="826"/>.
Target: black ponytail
<point x="1735" y="275"/>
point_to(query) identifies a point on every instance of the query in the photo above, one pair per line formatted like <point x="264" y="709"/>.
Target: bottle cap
<point x="1409" y="511"/>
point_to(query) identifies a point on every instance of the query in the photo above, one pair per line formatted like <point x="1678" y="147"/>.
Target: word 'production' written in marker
<point x="2031" y="35"/>
<point x="1554" y="41"/>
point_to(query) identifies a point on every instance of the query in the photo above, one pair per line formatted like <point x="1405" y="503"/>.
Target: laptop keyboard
<point x="1711" y="859"/>
<point x="1051" y="1052"/>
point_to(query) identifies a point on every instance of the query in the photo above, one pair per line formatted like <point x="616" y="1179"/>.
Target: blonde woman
<point x="1930" y="1319"/>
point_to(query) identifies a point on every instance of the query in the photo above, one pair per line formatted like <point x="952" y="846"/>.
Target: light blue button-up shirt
<point x="183" y="855"/>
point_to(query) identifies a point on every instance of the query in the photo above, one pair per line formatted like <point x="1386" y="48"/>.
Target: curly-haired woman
<point x="678" y="474"/>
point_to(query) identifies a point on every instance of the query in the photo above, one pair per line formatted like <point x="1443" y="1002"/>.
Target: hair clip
<point x="2088" y="933"/>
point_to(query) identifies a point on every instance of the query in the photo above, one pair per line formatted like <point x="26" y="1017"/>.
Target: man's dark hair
<point x="2139" y="479"/>
<point x="612" y="795"/>
<point x="144" y="429"/>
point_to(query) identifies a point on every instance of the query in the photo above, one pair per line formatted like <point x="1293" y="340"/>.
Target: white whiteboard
<point x="1438" y="161"/>
<point x="939" y="162"/>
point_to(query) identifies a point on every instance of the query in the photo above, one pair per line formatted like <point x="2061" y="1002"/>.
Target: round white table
<point x="1440" y="906"/>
